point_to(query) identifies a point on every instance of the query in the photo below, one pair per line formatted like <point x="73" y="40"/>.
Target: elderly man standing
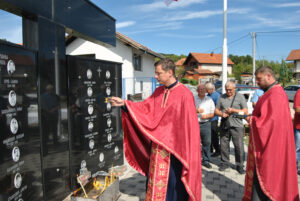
<point x="271" y="162"/>
<point x="205" y="109"/>
<point x="215" y="96"/>
<point x="232" y="103"/>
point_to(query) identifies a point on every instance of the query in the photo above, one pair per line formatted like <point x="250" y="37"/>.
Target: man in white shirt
<point x="205" y="109"/>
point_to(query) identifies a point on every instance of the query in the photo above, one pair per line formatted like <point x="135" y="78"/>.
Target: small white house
<point x="137" y="61"/>
<point x="295" y="56"/>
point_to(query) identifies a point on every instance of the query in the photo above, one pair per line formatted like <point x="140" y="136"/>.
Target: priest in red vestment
<point x="161" y="138"/>
<point x="271" y="163"/>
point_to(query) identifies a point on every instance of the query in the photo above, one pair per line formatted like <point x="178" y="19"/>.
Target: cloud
<point x="239" y="10"/>
<point x="154" y="27"/>
<point x="286" y="23"/>
<point x="193" y="15"/>
<point x="11" y="27"/>
<point x="124" y="24"/>
<point x="187" y="15"/>
<point x="286" y="5"/>
<point x="13" y="34"/>
<point x="186" y="36"/>
<point x="157" y="5"/>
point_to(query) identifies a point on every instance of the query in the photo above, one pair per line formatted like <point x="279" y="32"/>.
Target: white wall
<point x="216" y="67"/>
<point x="122" y="54"/>
<point x="297" y="66"/>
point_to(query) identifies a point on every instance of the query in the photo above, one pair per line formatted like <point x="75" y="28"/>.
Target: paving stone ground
<point x="216" y="185"/>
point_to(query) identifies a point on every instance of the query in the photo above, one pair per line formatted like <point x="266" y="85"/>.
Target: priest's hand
<point x="116" y="101"/>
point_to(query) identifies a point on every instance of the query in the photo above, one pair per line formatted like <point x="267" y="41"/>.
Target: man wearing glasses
<point x="231" y="127"/>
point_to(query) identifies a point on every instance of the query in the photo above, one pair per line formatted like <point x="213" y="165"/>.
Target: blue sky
<point x="197" y="25"/>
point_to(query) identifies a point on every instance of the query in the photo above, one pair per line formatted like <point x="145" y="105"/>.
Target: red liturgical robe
<point x="168" y="118"/>
<point x="271" y="149"/>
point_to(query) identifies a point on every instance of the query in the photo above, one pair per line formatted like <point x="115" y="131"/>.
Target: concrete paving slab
<point x="216" y="185"/>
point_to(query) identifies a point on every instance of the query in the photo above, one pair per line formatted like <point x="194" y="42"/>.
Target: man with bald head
<point x="205" y="109"/>
<point x="271" y="162"/>
<point x="231" y="127"/>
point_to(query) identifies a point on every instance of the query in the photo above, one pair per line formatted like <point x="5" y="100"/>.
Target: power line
<point x="278" y="31"/>
<point x="231" y="42"/>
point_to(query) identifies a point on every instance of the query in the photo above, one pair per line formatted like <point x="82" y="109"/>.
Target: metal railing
<point x="135" y="85"/>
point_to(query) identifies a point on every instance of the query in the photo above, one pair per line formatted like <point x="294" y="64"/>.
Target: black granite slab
<point x="20" y="166"/>
<point x="96" y="141"/>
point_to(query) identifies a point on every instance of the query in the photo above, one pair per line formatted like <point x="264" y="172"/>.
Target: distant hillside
<point x="173" y="57"/>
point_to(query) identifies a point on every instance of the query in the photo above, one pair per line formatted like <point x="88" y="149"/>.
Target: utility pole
<point x="253" y="59"/>
<point x="224" y="63"/>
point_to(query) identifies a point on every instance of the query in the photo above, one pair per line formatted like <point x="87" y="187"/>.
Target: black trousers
<point x="257" y="193"/>
<point x="237" y="135"/>
<point x="215" y="145"/>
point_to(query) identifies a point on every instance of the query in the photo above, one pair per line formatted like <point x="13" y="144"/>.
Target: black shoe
<point x="240" y="170"/>
<point x="216" y="154"/>
<point x="207" y="165"/>
<point x="223" y="167"/>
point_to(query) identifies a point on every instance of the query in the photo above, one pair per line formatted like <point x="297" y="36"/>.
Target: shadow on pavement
<point x="221" y="186"/>
<point x="134" y="186"/>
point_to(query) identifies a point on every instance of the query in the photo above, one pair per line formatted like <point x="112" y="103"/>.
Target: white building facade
<point x="295" y="57"/>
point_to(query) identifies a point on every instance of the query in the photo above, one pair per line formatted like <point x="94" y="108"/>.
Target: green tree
<point x="284" y="76"/>
<point x="173" y="57"/>
<point x="179" y="71"/>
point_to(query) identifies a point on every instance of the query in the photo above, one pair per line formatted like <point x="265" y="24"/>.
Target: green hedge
<point x="184" y="80"/>
<point x="189" y="81"/>
<point x="193" y="82"/>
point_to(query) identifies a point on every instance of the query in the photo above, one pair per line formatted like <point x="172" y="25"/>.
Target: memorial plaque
<point x="95" y="126"/>
<point x="20" y="166"/>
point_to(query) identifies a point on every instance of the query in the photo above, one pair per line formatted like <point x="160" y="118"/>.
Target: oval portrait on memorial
<point x="16" y="154"/>
<point x="90" y="126"/>
<point x="18" y="180"/>
<point x="107" y="74"/>
<point x="89" y="74"/>
<point x="89" y="91"/>
<point x="108" y="91"/>
<point x="90" y="109"/>
<point x="109" y="137"/>
<point x="116" y="149"/>
<point x="12" y="98"/>
<point x="14" y="126"/>
<point x="108" y="106"/>
<point x="83" y="164"/>
<point x="101" y="157"/>
<point x="109" y="122"/>
<point x="91" y="144"/>
<point x="11" y="67"/>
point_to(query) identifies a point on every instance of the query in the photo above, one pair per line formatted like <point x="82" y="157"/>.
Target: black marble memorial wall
<point x="20" y="166"/>
<point x="52" y="93"/>
<point x="55" y="118"/>
<point x="96" y="141"/>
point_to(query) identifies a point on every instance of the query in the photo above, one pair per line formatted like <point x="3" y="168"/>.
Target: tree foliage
<point x="173" y="57"/>
<point x="179" y="71"/>
<point x="285" y="74"/>
<point x="244" y="64"/>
